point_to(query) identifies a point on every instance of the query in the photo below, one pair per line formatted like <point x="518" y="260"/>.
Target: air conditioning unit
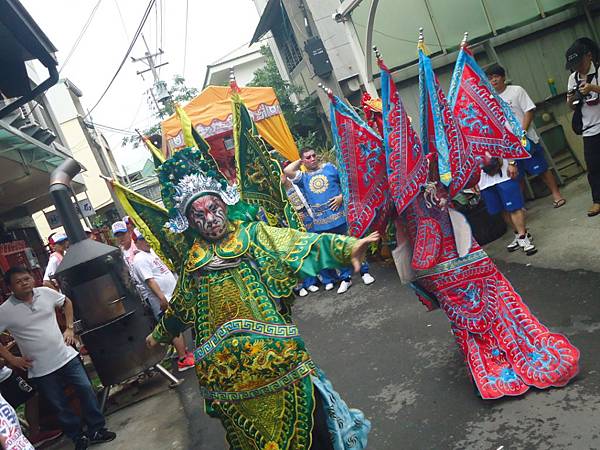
<point x="318" y="57"/>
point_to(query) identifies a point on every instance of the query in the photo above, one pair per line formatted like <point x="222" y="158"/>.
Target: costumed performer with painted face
<point x="253" y="368"/>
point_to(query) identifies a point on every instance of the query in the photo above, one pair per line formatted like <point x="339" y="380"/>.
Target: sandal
<point x="558" y="203"/>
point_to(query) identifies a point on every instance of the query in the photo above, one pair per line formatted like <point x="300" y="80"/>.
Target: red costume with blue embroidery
<point x="506" y="348"/>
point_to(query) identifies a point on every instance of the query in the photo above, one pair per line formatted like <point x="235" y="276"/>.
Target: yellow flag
<point x="158" y="155"/>
<point x="186" y="126"/>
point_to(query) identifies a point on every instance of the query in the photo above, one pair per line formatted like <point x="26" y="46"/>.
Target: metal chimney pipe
<point x="60" y="188"/>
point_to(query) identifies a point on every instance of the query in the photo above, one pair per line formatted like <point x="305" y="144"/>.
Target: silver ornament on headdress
<point x="189" y="188"/>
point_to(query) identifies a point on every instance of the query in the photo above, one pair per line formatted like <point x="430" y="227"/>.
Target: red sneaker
<point x="185" y="363"/>
<point x="44" y="437"/>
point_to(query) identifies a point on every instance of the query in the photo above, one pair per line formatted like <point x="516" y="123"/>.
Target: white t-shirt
<point x="590" y="113"/>
<point x="10" y="428"/>
<point x="149" y="265"/>
<point x="35" y="329"/>
<point x="53" y="263"/>
<point x="486" y="181"/>
<point x="520" y="103"/>
<point x="5" y="373"/>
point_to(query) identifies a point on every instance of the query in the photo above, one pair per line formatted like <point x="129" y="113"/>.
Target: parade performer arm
<point x="308" y="253"/>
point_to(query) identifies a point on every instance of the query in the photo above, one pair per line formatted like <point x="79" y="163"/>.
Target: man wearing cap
<point x="524" y="110"/>
<point x="583" y="96"/>
<point x="157" y="284"/>
<point x="125" y="241"/>
<point x="59" y="243"/>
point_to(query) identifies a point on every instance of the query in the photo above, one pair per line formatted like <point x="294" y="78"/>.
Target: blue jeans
<point x="330" y="275"/>
<point x="309" y="282"/>
<point x="52" y="386"/>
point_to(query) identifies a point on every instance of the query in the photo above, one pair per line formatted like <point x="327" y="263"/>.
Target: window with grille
<point x="286" y="42"/>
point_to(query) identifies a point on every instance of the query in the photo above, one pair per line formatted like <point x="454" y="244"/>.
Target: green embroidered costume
<point x="247" y="356"/>
<point x="252" y="365"/>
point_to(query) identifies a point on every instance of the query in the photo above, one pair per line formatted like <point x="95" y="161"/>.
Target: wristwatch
<point x="512" y="163"/>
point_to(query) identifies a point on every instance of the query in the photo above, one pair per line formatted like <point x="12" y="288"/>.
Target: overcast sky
<point x="215" y="28"/>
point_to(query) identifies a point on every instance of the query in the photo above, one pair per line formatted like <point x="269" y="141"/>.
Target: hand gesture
<point x="513" y="171"/>
<point x="586" y="88"/>
<point x="164" y="304"/>
<point x="69" y="336"/>
<point x="20" y="362"/>
<point x="335" y="202"/>
<point x="360" y="249"/>
<point x="150" y="341"/>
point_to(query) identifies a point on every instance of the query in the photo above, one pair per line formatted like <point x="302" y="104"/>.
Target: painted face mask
<point x="208" y="215"/>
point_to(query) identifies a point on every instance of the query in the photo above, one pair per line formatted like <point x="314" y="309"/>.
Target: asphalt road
<point x="398" y="363"/>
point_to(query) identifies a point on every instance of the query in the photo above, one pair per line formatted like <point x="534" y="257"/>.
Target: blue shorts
<point x="505" y="196"/>
<point x="535" y="165"/>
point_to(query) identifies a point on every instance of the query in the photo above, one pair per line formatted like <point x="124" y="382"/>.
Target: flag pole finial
<point x="377" y="52"/>
<point x="232" y="81"/>
<point x="327" y="91"/>
<point x="421" y="43"/>
<point x="465" y="39"/>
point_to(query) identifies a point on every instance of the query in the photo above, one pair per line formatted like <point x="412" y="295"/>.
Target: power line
<point x="114" y="129"/>
<point x="122" y="19"/>
<point x="81" y="33"/>
<point x="135" y="36"/>
<point x="187" y="4"/>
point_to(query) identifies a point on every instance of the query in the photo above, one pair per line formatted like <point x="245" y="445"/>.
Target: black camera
<point x="578" y="96"/>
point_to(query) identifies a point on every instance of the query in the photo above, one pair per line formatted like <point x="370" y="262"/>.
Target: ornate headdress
<point x="185" y="177"/>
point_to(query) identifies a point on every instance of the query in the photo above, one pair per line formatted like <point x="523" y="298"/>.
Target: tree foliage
<point x="302" y="118"/>
<point x="180" y="93"/>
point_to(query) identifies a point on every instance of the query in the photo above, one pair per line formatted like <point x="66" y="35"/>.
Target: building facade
<point x="244" y="61"/>
<point x="528" y="37"/>
<point x="88" y="146"/>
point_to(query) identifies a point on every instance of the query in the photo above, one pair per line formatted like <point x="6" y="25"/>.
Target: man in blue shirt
<point x="320" y="185"/>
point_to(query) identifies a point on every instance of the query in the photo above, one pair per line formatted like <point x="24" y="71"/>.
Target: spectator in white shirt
<point x="60" y="244"/>
<point x="48" y="355"/>
<point x="157" y="284"/>
<point x="125" y="240"/>
<point x="583" y="96"/>
<point x="524" y="110"/>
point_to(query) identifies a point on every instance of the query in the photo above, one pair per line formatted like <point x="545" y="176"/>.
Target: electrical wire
<point x="133" y="40"/>
<point x="81" y="34"/>
<point x="114" y="129"/>
<point x="122" y="19"/>
<point x="187" y="5"/>
<point x="156" y="27"/>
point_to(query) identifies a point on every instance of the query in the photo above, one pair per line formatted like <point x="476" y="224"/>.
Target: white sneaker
<point x="344" y="286"/>
<point x="313" y="288"/>
<point x="368" y="279"/>
<point x="527" y="246"/>
<point x="514" y="245"/>
<point x="302" y="292"/>
<point x="329" y="286"/>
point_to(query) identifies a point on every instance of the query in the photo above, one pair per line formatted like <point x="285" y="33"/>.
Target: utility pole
<point x="159" y="91"/>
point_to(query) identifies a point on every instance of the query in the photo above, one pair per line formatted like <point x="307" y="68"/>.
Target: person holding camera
<point x="524" y="110"/>
<point x="583" y="97"/>
<point x="501" y="193"/>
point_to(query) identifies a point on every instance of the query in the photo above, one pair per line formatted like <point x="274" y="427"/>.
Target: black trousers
<point x="321" y="439"/>
<point x="591" y="152"/>
<point x="16" y="390"/>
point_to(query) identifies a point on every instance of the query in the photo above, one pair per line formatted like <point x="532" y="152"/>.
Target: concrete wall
<point x="530" y="60"/>
<point x="244" y="68"/>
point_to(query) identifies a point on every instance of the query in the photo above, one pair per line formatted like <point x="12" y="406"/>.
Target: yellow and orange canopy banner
<point x="211" y="115"/>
